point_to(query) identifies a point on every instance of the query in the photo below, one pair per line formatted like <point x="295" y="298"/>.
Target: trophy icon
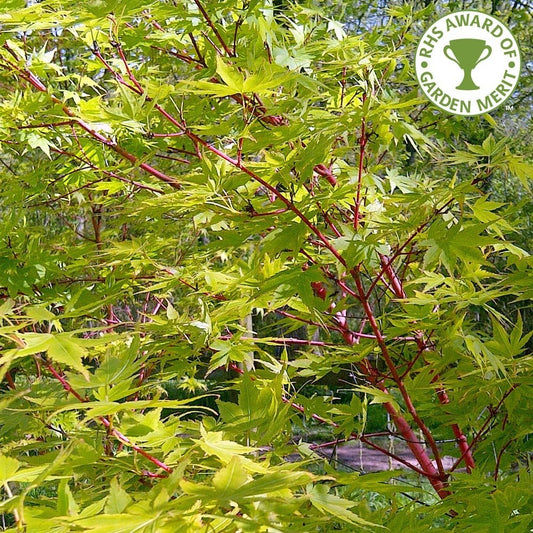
<point x="467" y="53"/>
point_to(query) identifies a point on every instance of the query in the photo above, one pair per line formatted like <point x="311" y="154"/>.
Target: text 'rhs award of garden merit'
<point x="468" y="63"/>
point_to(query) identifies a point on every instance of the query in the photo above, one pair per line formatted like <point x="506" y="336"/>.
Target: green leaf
<point x="66" y="505"/>
<point x="35" y="343"/>
<point x="118" y="523"/>
<point x="66" y="349"/>
<point x="172" y="314"/>
<point x="39" y="313"/>
<point x="101" y="408"/>
<point x="483" y="355"/>
<point x="118" y="499"/>
<point x="272" y="483"/>
<point x="8" y="467"/>
<point x="37" y="141"/>
<point x="230" y="478"/>
<point x="378" y="396"/>
<point x="337" y="507"/>
<point x="213" y="444"/>
<point x="8" y="5"/>
<point x="230" y="75"/>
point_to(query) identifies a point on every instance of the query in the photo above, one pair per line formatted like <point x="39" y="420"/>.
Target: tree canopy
<point x="227" y="225"/>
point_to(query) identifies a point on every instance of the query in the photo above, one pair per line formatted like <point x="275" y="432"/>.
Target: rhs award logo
<point x="468" y="63"/>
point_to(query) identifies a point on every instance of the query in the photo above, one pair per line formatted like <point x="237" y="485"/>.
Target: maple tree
<point x="208" y="205"/>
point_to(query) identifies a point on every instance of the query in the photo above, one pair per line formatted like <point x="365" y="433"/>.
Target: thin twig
<point x="113" y="431"/>
<point x="214" y="28"/>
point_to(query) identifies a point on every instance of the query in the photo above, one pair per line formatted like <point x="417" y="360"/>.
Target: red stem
<point x="355" y="436"/>
<point x="499" y="458"/>
<point x="398" y="290"/>
<point x="433" y="475"/>
<point x="482" y="431"/>
<point x="27" y="75"/>
<point x="400" y="249"/>
<point x="213" y="27"/>
<point x="113" y="431"/>
<point x="10" y="381"/>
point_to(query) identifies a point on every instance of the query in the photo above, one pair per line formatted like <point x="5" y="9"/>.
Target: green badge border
<point x="519" y="63"/>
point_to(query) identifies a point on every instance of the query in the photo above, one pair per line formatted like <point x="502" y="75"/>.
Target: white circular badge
<point x="468" y="63"/>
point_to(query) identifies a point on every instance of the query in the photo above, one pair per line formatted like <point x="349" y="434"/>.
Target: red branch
<point x="37" y="84"/>
<point x="396" y="285"/>
<point x="113" y="431"/>
<point x="484" y="428"/>
<point x="214" y="28"/>
<point x="354" y="436"/>
<point x="436" y="477"/>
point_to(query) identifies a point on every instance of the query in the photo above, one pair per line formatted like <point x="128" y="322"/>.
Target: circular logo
<point x="468" y="63"/>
